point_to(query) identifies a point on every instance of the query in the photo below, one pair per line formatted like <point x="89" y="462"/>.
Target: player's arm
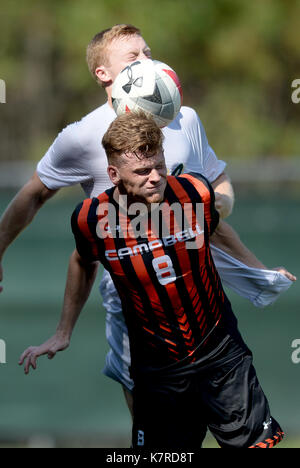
<point x="80" y="280"/>
<point x="212" y="167"/>
<point x="224" y="195"/>
<point x="223" y="236"/>
<point x="81" y="276"/>
<point x="21" y="212"/>
<point x="226" y="238"/>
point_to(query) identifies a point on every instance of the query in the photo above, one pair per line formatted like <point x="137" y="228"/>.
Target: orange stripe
<point x="165" y="328"/>
<point x="82" y="218"/>
<point x="141" y="270"/>
<point x="149" y="331"/>
<point x="173" y="294"/>
<point x="271" y="442"/>
<point x="183" y="256"/>
<point x="171" y="342"/>
<point x="204" y="193"/>
<point x="84" y="227"/>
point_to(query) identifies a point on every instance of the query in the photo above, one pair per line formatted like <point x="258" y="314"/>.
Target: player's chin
<point x="156" y="197"/>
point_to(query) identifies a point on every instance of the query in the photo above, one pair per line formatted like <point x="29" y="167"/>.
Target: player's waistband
<point x="219" y="345"/>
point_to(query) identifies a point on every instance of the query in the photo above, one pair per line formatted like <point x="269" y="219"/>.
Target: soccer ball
<point x="150" y="86"/>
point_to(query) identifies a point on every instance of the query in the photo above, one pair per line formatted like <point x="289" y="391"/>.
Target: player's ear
<point x="114" y="175"/>
<point x="103" y="75"/>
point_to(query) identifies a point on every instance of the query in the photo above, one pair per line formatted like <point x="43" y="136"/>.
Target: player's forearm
<point x="80" y="280"/>
<point x="224" y="195"/>
<point x="17" y="216"/>
<point x="21" y="211"/>
<point x="226" y="238"/>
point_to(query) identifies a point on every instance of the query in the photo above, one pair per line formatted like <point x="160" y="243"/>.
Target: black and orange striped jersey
<point x="171" y="293"/>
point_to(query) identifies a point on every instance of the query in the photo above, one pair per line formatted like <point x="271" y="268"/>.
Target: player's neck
<point x="109" y="100"/>
<point x="125" y="201"/>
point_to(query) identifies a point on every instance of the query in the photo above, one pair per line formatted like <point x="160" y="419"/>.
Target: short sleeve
<point x="84" y="246"/>
<point x="204" y="159"/>
<point x="64" y="163"/>
<point x="213" y="167"/>
<point x="208" y="197"/>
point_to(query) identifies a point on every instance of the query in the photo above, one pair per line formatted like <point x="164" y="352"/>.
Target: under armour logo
<point x="141" y="438"/>
<point x="267" y="424"/>
<point x="132" y="81"/>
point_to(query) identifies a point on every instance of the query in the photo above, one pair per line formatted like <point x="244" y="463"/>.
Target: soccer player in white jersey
<point x="77" y="157"/>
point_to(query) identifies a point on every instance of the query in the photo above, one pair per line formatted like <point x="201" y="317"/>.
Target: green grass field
<point x="68" y="399"/>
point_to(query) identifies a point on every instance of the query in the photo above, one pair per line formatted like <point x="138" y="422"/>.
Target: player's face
<point x="123" y="51"/>
<point x="143" y="180"/>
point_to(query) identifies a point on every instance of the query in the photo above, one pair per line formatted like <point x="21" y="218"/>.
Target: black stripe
<point x="195" y="197"/>
<point x="180" y="284"/>
<point x="215" y="217"/>
<point x="194" y="259"/>
<point x="83" y="246"/>
<point x="130" y="272"/>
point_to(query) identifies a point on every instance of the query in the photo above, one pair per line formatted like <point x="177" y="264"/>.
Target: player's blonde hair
<point x="96" y="53"/>
<point x="132" y="132"/>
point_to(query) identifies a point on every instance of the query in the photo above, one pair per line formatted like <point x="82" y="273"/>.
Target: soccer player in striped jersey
<point x="189" y="363"/>
<point x="77" y="157"/>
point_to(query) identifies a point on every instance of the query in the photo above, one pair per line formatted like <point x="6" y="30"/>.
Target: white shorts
<point x="118" y="358"/>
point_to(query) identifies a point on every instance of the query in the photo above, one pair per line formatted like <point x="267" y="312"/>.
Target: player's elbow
<point x="84" y="262"/>
<point x="224" y="204"/>
<point x="37" y="191"/>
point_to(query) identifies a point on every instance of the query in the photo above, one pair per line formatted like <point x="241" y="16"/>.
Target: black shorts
<point x="226" y="398"/>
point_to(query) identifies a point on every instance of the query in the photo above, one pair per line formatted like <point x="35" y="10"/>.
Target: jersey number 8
<point x="164" y="270"/>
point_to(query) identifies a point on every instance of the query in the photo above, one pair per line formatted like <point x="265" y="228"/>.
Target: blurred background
<point x="237" y="62"/>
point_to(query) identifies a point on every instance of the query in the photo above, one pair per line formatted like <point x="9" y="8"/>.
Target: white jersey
<point x="77" y="157"/>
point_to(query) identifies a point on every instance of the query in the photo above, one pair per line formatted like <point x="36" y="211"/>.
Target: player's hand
<point x="56" y="343"/>
<point x="223" y="204"/>
<point x="286" y="273"/>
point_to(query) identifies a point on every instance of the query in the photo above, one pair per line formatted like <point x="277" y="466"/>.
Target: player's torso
<point x="167" y="281"/>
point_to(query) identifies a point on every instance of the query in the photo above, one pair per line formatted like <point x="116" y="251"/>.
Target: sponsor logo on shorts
<point x="267" y="424"/>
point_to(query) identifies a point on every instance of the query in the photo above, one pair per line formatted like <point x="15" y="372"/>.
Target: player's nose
<point x="143" y="56"/>
<point x="155" y="176"/>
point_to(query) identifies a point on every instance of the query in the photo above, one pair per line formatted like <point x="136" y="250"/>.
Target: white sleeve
<point x="261" y="287"/>
<point x="203" y="153"/>
<point x="213" y="167"/>
<point x="64" y="163"/>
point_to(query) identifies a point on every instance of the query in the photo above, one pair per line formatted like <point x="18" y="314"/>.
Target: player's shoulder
<point x="188" y="115"/>
<point x="81" y="131"/>
<point x="85" y="212"/>
<point x="98" y="117"/>
<point x="189" y="120"/>
<point x="199" y="182"/>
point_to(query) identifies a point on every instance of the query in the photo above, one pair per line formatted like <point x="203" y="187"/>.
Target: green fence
<point x="68" y="398"/>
